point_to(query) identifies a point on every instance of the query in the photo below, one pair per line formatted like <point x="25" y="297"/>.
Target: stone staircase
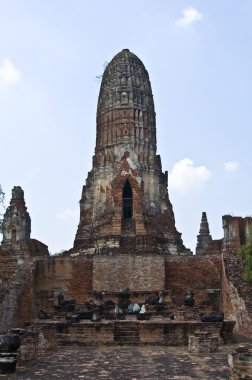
<point x="126" y="332"/>
<point x="131" y="243"/>
<point x="128" y="227"/>
<point x="128" y="237"/>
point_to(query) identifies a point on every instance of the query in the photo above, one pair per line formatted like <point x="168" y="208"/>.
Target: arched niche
<point x="127" y="195"/>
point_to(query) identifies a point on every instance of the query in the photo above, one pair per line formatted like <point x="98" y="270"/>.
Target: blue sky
<point x="199" y="58"/>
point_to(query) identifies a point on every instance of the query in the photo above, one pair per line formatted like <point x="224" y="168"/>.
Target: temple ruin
<point x="125" y="196"/>
<point x="127" y="249"/>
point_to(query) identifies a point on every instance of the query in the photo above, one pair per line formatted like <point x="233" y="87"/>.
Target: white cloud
<point x="190" y="15"/>
<point x="67" y="214"/>
<point x="9" y="74"/>
<point x="185" y="177"/>
<point x="231" y="166"/>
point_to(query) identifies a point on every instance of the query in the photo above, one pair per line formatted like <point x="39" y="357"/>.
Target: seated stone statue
<point x="161" y="298"/>
<point x="65" y="305"/>
<point x="215" y="316"/>
<point x="61" y="298"/>
<point x="143" y="315"/>
<point x="43" y="314"/>
<point x="153" y="300"/>
<point x="96" y="316"/>
<point x="189" y="298"/>
<point x="136" y="308"/>
<point x="143" y="309"/>
<point x="130" y="308"/>
<point x="119" y="314"/>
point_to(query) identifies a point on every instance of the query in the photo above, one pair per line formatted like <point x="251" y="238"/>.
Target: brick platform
<point x="126" y="363"/>
<point x="156" y="331"/>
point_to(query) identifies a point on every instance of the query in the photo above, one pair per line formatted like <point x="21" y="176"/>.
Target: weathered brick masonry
<point x="126" y="237"/>
<point x="72" y="276"/>
<point x="202" y="275"/>
<point x="136" y="272"/>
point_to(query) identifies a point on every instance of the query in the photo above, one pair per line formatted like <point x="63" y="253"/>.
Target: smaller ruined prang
<point x="204" y="237"/>
<point x="17" y="221"/>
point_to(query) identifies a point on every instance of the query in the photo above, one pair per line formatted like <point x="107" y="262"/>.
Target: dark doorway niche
<point x="127" y="200"/>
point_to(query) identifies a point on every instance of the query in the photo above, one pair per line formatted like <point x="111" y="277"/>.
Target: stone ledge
<point x="154" y="331"/>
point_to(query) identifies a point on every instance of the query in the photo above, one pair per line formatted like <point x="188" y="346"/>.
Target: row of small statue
<point x="125" y="307"/>
<point x="158" y="299"/>
<point x="154" y="300"/>
<point x="120" y="312"/>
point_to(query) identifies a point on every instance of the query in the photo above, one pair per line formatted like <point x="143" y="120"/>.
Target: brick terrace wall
<point x="53" y="334"/>
<point x="73" y="276"/>
<point x="25" y="305"/>
<point x="86" y="333"/>
<point x="137" y="272"/>
<point x="175" y="333"/>
<point x="16" y="289"/>
<point x="200" y="274"/>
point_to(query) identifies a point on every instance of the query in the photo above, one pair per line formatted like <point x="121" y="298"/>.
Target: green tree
<point x="246" y="253"/>
<point x="2" y="195"/>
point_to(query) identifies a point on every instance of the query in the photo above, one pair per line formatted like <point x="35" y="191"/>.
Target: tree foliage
<point x="246" y="253"/>
<point x="2" y="195"/>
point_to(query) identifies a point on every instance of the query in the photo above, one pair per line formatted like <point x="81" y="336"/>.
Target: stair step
<point x="128" y="227"/>
<point x="127" y="332"/>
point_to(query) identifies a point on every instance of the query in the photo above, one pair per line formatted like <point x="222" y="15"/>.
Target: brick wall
<point x="85" y="333"/>
<point x="236" y="293"/>
<point x="25" y="307"/>
<point x="135" y="272"/>
<point x="202" y="275"/>
<point x="73" y="276"/>
<point x="78" y="277"/>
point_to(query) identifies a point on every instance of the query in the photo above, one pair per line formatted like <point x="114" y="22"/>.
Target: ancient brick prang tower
<point x="125" y="200"/>
<point x="17" y="229"/>
<point x="204" y="238"/>
<point x="17" y="221"/>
